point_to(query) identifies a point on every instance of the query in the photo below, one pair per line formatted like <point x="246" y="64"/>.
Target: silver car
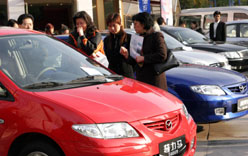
<point x="187" y="55"/>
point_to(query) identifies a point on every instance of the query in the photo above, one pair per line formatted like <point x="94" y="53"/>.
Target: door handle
<point x="1" y="121"/>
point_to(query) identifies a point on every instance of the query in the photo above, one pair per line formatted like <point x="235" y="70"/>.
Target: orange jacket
<point x="88" y="44"/>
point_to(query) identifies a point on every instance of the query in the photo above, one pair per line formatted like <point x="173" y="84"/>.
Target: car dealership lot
<point x="226" y="138"/>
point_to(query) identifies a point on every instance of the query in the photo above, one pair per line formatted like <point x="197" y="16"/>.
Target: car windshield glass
<point x="33" y="61"/>
<point x="172" y="43"/>
<point x="188" y="35"/>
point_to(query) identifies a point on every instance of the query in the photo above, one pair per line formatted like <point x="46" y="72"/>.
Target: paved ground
<point x="226" y="138"/>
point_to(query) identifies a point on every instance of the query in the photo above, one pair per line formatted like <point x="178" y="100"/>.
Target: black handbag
<point x="169" y="63"/>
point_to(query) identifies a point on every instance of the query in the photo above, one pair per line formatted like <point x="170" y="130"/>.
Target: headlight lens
<point x="185" y="112"/>
<point x="232" y="55"/>
<point x="208" y="90"/>
<point x="106" y="130"/>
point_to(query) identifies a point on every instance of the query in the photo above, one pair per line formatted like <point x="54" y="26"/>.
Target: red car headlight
<point x="106" y="130"/>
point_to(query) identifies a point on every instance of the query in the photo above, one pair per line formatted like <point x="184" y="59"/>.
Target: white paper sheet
<point x="136" y="45"/>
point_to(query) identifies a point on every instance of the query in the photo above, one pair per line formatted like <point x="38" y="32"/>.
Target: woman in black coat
<point x="117" y="40"/>
<point x="153" y="51"/>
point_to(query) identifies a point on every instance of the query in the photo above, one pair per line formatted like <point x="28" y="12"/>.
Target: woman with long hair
<point x="117" y="40"/>
<point x="85" y="35"/>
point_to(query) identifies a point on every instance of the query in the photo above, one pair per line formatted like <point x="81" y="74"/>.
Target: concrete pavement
<point x="226" y="138"/>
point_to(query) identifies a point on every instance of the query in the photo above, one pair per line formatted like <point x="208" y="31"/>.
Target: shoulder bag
<point x="169" y="63"/>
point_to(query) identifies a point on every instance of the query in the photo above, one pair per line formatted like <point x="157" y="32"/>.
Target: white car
<point x="187" y="55"/>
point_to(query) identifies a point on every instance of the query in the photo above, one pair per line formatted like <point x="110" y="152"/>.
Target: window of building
<point x="110" y="6"/>
<point x="131" y="8"/>
<point x="95" y="19"/>
<point x="55" y="14"/>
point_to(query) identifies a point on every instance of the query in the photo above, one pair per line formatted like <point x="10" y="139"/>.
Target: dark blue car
<point x="210" y="94"/>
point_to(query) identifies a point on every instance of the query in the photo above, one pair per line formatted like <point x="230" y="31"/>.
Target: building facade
<point x="60" y="12"/>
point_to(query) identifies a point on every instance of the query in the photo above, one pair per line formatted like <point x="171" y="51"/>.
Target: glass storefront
<point x="55" y="14"/>
<point x="60" y="12"/>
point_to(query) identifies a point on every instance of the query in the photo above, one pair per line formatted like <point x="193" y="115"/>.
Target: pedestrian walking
<point x="116" y="42"/>
<point x="85" y="35"/>
<point x="217" y="28"/>
<point x="26" y="21"/>
<point x="153" y="51"/>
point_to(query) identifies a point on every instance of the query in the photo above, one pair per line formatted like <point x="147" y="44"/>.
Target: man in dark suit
<point x="217" y="28"/>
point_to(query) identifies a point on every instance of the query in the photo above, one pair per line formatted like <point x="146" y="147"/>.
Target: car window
<point x="244" y="30"/>
<point x="208" y="19"/>
<point x="171" y="42"/>
<point x="188" y="35"/>
<point x="29" y="59"/>
<point x="189" y="19"/>
<point x="240" y="16"/>
<point x="231" y="30"/>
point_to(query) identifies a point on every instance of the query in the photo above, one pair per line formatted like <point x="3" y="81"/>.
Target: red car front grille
<point x="159" y="123"/>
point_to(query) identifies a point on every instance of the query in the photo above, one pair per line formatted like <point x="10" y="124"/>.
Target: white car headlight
<point x="208" y="90"/>
<point x="185" y="112"/>
<point x="106" y="130"/>
<point x="232" y="55"/>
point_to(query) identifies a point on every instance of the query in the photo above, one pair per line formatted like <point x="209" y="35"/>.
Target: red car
<point x="55" y="101"/>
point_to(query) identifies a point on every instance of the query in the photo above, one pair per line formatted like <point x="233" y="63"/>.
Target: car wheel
<point x="39" y="149"/>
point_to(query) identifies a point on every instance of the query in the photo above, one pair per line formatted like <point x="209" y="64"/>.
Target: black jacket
<point x="154" y="51"/>
<point x="220" y="32"/>
<point x="117" y="62"/>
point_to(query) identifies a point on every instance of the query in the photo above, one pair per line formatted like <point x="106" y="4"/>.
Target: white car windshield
<point x="39" y="59"/>
<point x="172" y="43"/>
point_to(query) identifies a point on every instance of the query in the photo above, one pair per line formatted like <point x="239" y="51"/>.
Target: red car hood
<point x="125" y="100"/>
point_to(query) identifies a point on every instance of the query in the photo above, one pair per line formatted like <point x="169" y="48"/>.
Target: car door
<point x="7" y="124"/>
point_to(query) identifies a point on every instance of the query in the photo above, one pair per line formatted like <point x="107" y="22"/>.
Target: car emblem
<point x="168" y="125"/>
<point x="242" y="88"/>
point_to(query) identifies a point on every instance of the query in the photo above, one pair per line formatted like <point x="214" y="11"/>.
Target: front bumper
<point x="146" y="145"/>
<point x="239" y="64"/>
<point x="202" y="108"/>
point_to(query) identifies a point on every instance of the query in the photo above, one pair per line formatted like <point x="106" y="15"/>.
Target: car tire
<point x="39" y="149"/>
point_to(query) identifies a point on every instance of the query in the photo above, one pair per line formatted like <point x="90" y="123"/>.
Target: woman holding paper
<point x="85" y="36"/>
<point x="153" y="51"/>
<point x="117" y="40"/>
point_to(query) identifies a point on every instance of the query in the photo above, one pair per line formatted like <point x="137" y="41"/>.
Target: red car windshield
<point x="32" y="59"/>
